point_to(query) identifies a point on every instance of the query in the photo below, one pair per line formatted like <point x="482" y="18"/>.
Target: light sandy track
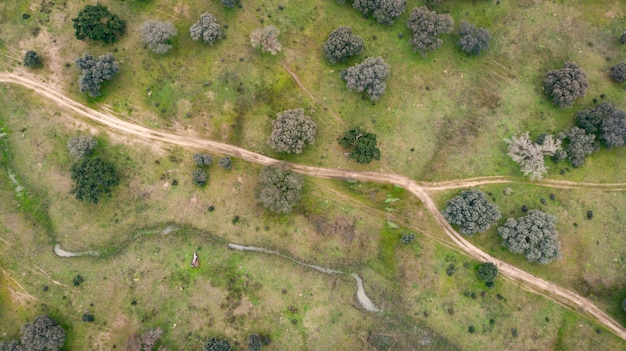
<point x="523" y="279"/>
<point x="548" y="183"/>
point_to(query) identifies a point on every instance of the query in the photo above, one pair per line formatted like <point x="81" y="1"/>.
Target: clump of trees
<point x="230" y="3"/>
<point x="97" y="23"/>
<point x="93" y="177"/>
<point x="578" y="145"/>
<point x="95" y="72"/>
<point x="384" y="11"/>
<point x="202" y="160"/>
<point x="533" y="235"/>
<point x="566" y="84"/>
<point x="368" y="77"/>
<point x="292" y="131"/>
<point x="42" y="334"/>
<point x="81" y="145"/>
<point x="266" y="39"/>
<point x="342" y="44"/>
<point x="530" y="155"/>
<point x="605" y="120"/>
<point x="426" y="27"/>
<point x="279" y="188"/>
<point x="157" y="35"/>
<point x="618" y="72"/>
<point x="471" y="211"/>
<point x="226" y="163"/>
<point x="32" y="59"/>
<point x="216" y="345"/>
<point x="487" y="271"/>
<point x="363" y="144"/>
<point x="206" y="28"/>
<point x="473" y="40"/>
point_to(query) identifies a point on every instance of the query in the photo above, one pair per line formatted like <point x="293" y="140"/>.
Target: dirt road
<point x="525" y="280"/>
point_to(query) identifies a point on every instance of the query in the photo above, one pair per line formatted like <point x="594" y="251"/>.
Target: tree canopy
<point x="363" y="144"/>
<point x="342" y="44"/>
<point x="384" y="11"/>
<point x="254" y="342"/>
<point x="199" y="177"/>
<point x="292" y="131"/>
<point x="427" y="26"/>
<point x="368" y="77"/>
<point x="230" y="3"/>
<point x="95" y="72"/>
<point x="97" y="23"/>
<point x="473" y="40"/>
<point x="206" y="28"/>
<point x="93" y="177"/>
<point x="471" y="211"/>
<point x="42" y="334"/>
<point x="566" y="84"/>
<point x="202" y="160"/>
<point x="226" y="163"/>
<point x="618" y="72"/>
<point x="578" y="145"/>
<point x="608" y="122"/>
<point x="279" y="188"/>
<point x="533" y="235"/>
<point x="157" y="35"/>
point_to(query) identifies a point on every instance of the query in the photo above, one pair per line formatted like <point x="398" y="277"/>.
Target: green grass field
<point x="443" y="116"/>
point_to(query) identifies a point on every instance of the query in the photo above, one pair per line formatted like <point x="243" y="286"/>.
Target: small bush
<point x="226" y="163"/>
<point x="199" y="177"/>
<point x="202" y="160"/>
<point x="32" y="59"/>
<point x="230" y="3"/>
<point x="88" y="318"/>
<point x="254" y="342"/>
<point x="408" y="238"/>
<point x="487" y="271"/>
<point x="78" y="279"/>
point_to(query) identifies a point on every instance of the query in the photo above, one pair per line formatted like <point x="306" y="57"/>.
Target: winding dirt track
<point x="525" y="280"/>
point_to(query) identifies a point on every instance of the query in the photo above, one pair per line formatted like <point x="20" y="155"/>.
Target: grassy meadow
<point x="443" y="116"/>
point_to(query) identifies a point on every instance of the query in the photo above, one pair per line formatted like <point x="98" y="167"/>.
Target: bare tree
<point x="81" y="145"/>
<point x="530" y="155"/>
<point x="157" y="35"/>
<point x="206" y="28"/>
<point x="266" y="39"/>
